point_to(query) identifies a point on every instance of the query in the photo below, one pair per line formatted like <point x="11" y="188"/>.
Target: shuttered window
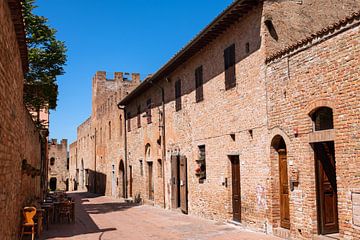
<point x="199" y="84"/>
<point x="128" y="115"/>
<point x="178" y="95"/>
<point x="138" y="117"/>
<point x="148" y="111"/>
<point x="229" y="60"/>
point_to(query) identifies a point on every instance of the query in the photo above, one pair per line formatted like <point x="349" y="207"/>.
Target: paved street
<point x="105" y="218"/>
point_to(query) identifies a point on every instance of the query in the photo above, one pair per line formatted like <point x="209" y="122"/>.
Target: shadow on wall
<point x="93" y="177"/>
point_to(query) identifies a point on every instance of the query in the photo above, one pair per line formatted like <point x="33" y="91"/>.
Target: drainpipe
<point x="125" y="151"/>
<point x="162" y="126"/>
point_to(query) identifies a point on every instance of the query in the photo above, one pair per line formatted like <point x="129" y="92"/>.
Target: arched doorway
<point x="53" y="182"/>
<point x="281" y="208"/>
<point x="325" y="172"/>
<point x="121" y="179"/>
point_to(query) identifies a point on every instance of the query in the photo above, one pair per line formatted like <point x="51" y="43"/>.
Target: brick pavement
<point x="99" y="217"/>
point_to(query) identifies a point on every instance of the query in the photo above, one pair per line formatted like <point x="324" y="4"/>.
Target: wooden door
<point x="130" y="181"/>
<point x="183" y="185"/>
<point x="151" y="181"/>
<point x="174" y="182"/>
<point x="326" y="188"/>
<point x="284" y="190"/>
<point x="236" y="191"/>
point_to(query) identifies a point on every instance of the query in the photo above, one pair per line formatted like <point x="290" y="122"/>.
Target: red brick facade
<point x="20" y="141"/>
<point x="244" y="125"/>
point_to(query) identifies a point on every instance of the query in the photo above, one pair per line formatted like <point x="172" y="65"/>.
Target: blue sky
<point x="116" y="35"/>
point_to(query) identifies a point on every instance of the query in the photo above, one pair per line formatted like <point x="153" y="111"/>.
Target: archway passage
<point x="53" y="183"/>
<point x="122" y="179"/>
<point x="279" y="150"/>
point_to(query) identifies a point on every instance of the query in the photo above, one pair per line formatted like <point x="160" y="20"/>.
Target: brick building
<point x="22" y="147"/>
<point x="247" y="122"/>
<point x="58" y="173"/>
<point x="96" y="155"/>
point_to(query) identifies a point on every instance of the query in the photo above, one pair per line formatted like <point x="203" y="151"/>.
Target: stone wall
<point x="58" y="164"/>
<point x="19" y="139"/>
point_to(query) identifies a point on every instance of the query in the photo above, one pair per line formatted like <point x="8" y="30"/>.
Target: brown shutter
<point x="174" y="182"/>
<point x="128" y="115"/>
<point x="178" y="95"/>
<point x="148" y="111"/>
<point x="183" y="185"/>
<point x="138" y="117"/>
<point x="229" y="60"/>
<point x="199" y="84"/>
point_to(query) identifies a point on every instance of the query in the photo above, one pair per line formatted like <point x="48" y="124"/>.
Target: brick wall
<point x="102" y="132"/>
<point x="210" y="123"/>
<point x="19" y="139"/>
<point x="325" y="72"/>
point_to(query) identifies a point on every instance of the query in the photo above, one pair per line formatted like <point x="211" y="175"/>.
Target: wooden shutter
<point x="199" y="84"/>
<point x="148" y="110"/>
<point x="178" y="95"/>
<point x="183" y="185"/>
<point x="128" y="115"/>
<point x="138" y="117"/>
<point x="174" y="182"/>
<point x="229" y="60"/>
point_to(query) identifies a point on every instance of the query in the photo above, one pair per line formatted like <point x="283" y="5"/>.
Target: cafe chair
<point x="28" y="214"/>
<point x="65" y="211"/>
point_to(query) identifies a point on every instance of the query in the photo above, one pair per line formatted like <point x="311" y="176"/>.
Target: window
<point x="199" y="84"/>
<point x="178" y="95"/>
<point x="201" y="169"/>
<point x="52" y="161"/>
<point x="67" y="163"/>
<point x="229" y="60"/>
<point x="159" y="168"/>
<point x="121" y="123"/>
<point x="138" y="117"/>
<point x="101" y="135"/>
<point x="141" y="168"/>
<point x="109" y="129"/>
<point x="322" y="119"/>
<point x="128" y="116"/>
<point x="148" y="111"/>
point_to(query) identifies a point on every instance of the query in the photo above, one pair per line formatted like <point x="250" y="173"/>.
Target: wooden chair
<point x="28" y="214"/>
<point x="65" y="209"/>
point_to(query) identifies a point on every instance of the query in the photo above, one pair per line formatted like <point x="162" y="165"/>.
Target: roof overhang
<point x="220" y="24"/>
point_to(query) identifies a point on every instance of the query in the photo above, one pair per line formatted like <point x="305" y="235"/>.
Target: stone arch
<point x="279" y="185"/>
<point x="121" y="179"/>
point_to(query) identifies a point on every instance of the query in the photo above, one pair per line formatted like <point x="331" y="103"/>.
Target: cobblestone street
<point x="105" y="218"/>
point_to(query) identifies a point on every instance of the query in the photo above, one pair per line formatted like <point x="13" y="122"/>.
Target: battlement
<point x="63" y="142"/>
<point x="117" y="77"/>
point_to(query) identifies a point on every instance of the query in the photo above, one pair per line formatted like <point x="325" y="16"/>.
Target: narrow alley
<point x="100" y="217"/>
